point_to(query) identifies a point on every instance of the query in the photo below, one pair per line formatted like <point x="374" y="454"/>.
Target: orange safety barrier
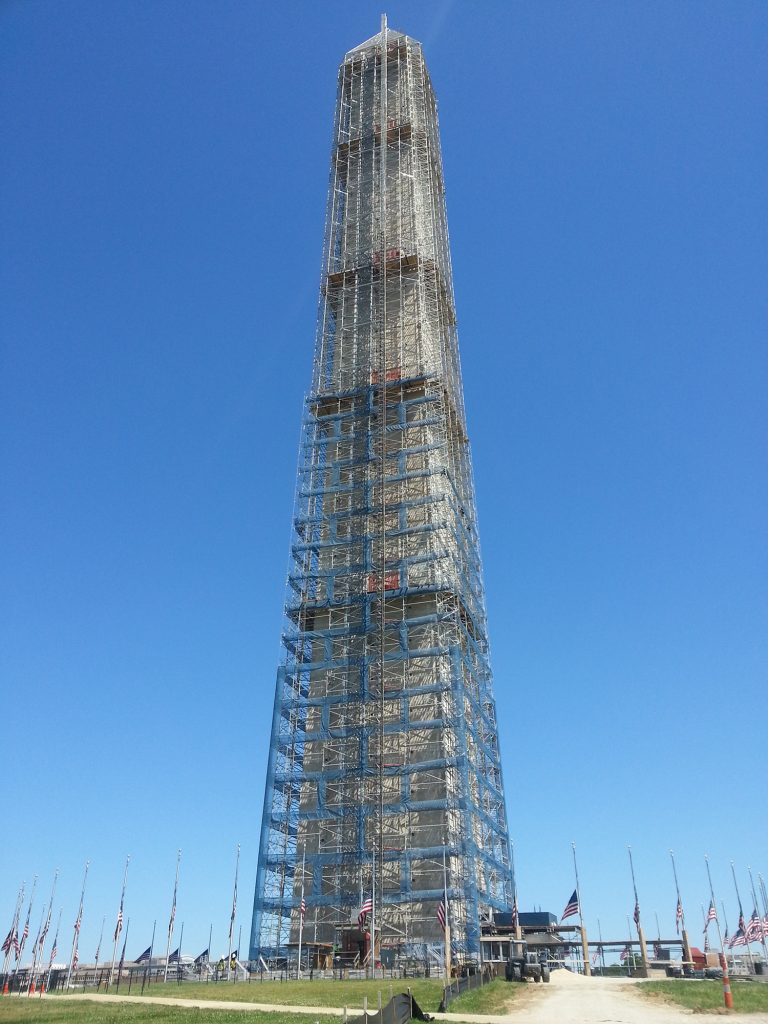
<point x="727" y="995"/>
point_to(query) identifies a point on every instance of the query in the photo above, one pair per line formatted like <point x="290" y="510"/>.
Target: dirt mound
<point x="563" y="977"/>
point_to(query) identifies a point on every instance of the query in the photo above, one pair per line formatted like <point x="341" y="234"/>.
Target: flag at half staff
<point x="571" y="907"/>
<point x="203" y="958"/>
<point x="173" y="957"/>
<point x="365" y="910"/>
<point x="440" y="914"/>
<point x="711" y="914"/>
<point x="303" y="908"/>
<point x="144" y="956"/>
<point x="737" y="939"/>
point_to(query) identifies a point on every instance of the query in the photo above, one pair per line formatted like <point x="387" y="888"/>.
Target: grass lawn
<point x="71" y="1010"/>
<point x="496" y="997"/>
<point x="701" y="996"/>
<point x="426" y="992"/>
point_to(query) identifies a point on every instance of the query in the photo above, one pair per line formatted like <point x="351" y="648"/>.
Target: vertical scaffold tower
<point x="384" y="753"/>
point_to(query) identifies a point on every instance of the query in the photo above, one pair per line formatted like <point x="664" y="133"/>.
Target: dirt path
<point x="569" y="999"/>
<point x="574" y="999"/>
<point x="201" y="1004"/>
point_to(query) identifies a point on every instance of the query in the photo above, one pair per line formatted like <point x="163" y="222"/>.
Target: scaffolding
<point x="384" y="755"/>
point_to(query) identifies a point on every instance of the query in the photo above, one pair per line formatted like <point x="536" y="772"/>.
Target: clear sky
<point x="162" y="191"/>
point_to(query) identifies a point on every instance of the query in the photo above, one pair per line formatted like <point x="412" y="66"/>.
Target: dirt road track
<point x="574" y="999"/>
<point x="569" y="999"/>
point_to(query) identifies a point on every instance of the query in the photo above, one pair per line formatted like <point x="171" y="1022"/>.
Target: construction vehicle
<point x="523" y="964"/>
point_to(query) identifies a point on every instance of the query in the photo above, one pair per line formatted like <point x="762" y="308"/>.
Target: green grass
<point x="496" y="997"/>
<point x="71" y="1010"/>
<point x="426" y="992"/>
<point x="707" y="996"/>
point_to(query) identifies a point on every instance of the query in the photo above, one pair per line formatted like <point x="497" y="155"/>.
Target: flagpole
<point x="119" y="924"/>
<point x="640" y="931"/>
<point x="686" y="944"/>
<point x="38" y="951"/>
<point x="31" y="979"/>
<point x="14" y="926"/>
<point x="742" y="923"/>
<point x="725" y="940"/>
<point x="576" y="872"/>
<point x="764" y="897"/>
<point x="584" y="944"/>
<point x="98" y="948"/>
<point x="151" y="951"/>
<point x="25" y="932"/>
<point x="54" y="949"/>
<point x="301" y="909"/>
<point x="178" y="962"/>
<point x="630" y="951"/>
<point x="602" y="950"/>
<point x="78" y="923"/>
<point x="372" y="950"/>
<point x="173" y="917"/>
<point x="761" y="932"/>
<point x="122" y="958"/>
<point x="714" y="904"/>
<point x="447" y="931"/>
<point x="515" y="903"/>
<point x="232" y="917"/>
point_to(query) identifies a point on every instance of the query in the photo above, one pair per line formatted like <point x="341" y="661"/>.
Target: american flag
<point x="173" y="914"/>
<point x="8" y="942"/>
<point x="738" y="939"/>
<point x="441" y="914"/>
<point x="54" y="948"/>
<point x="365" y="910"/>
<point x="119" y="925"/>
<point x="303" y="908"/>
<point x="515" y="914"/>
<point x="742" y="922"/>
<point x="754" y="928"/>
<point x="234" y="902"/>
<point x="706" y="941"/>
<point x="75" y="958"/>
<point x="678" y="914"/>
<point x="79" y="921"/>
<point x="571" y="907"/>
<point x="636" y="914"/>
<point x="624" y="953"/>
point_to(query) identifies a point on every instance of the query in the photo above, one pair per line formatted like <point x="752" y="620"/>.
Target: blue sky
<point x="162" y="199"/>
